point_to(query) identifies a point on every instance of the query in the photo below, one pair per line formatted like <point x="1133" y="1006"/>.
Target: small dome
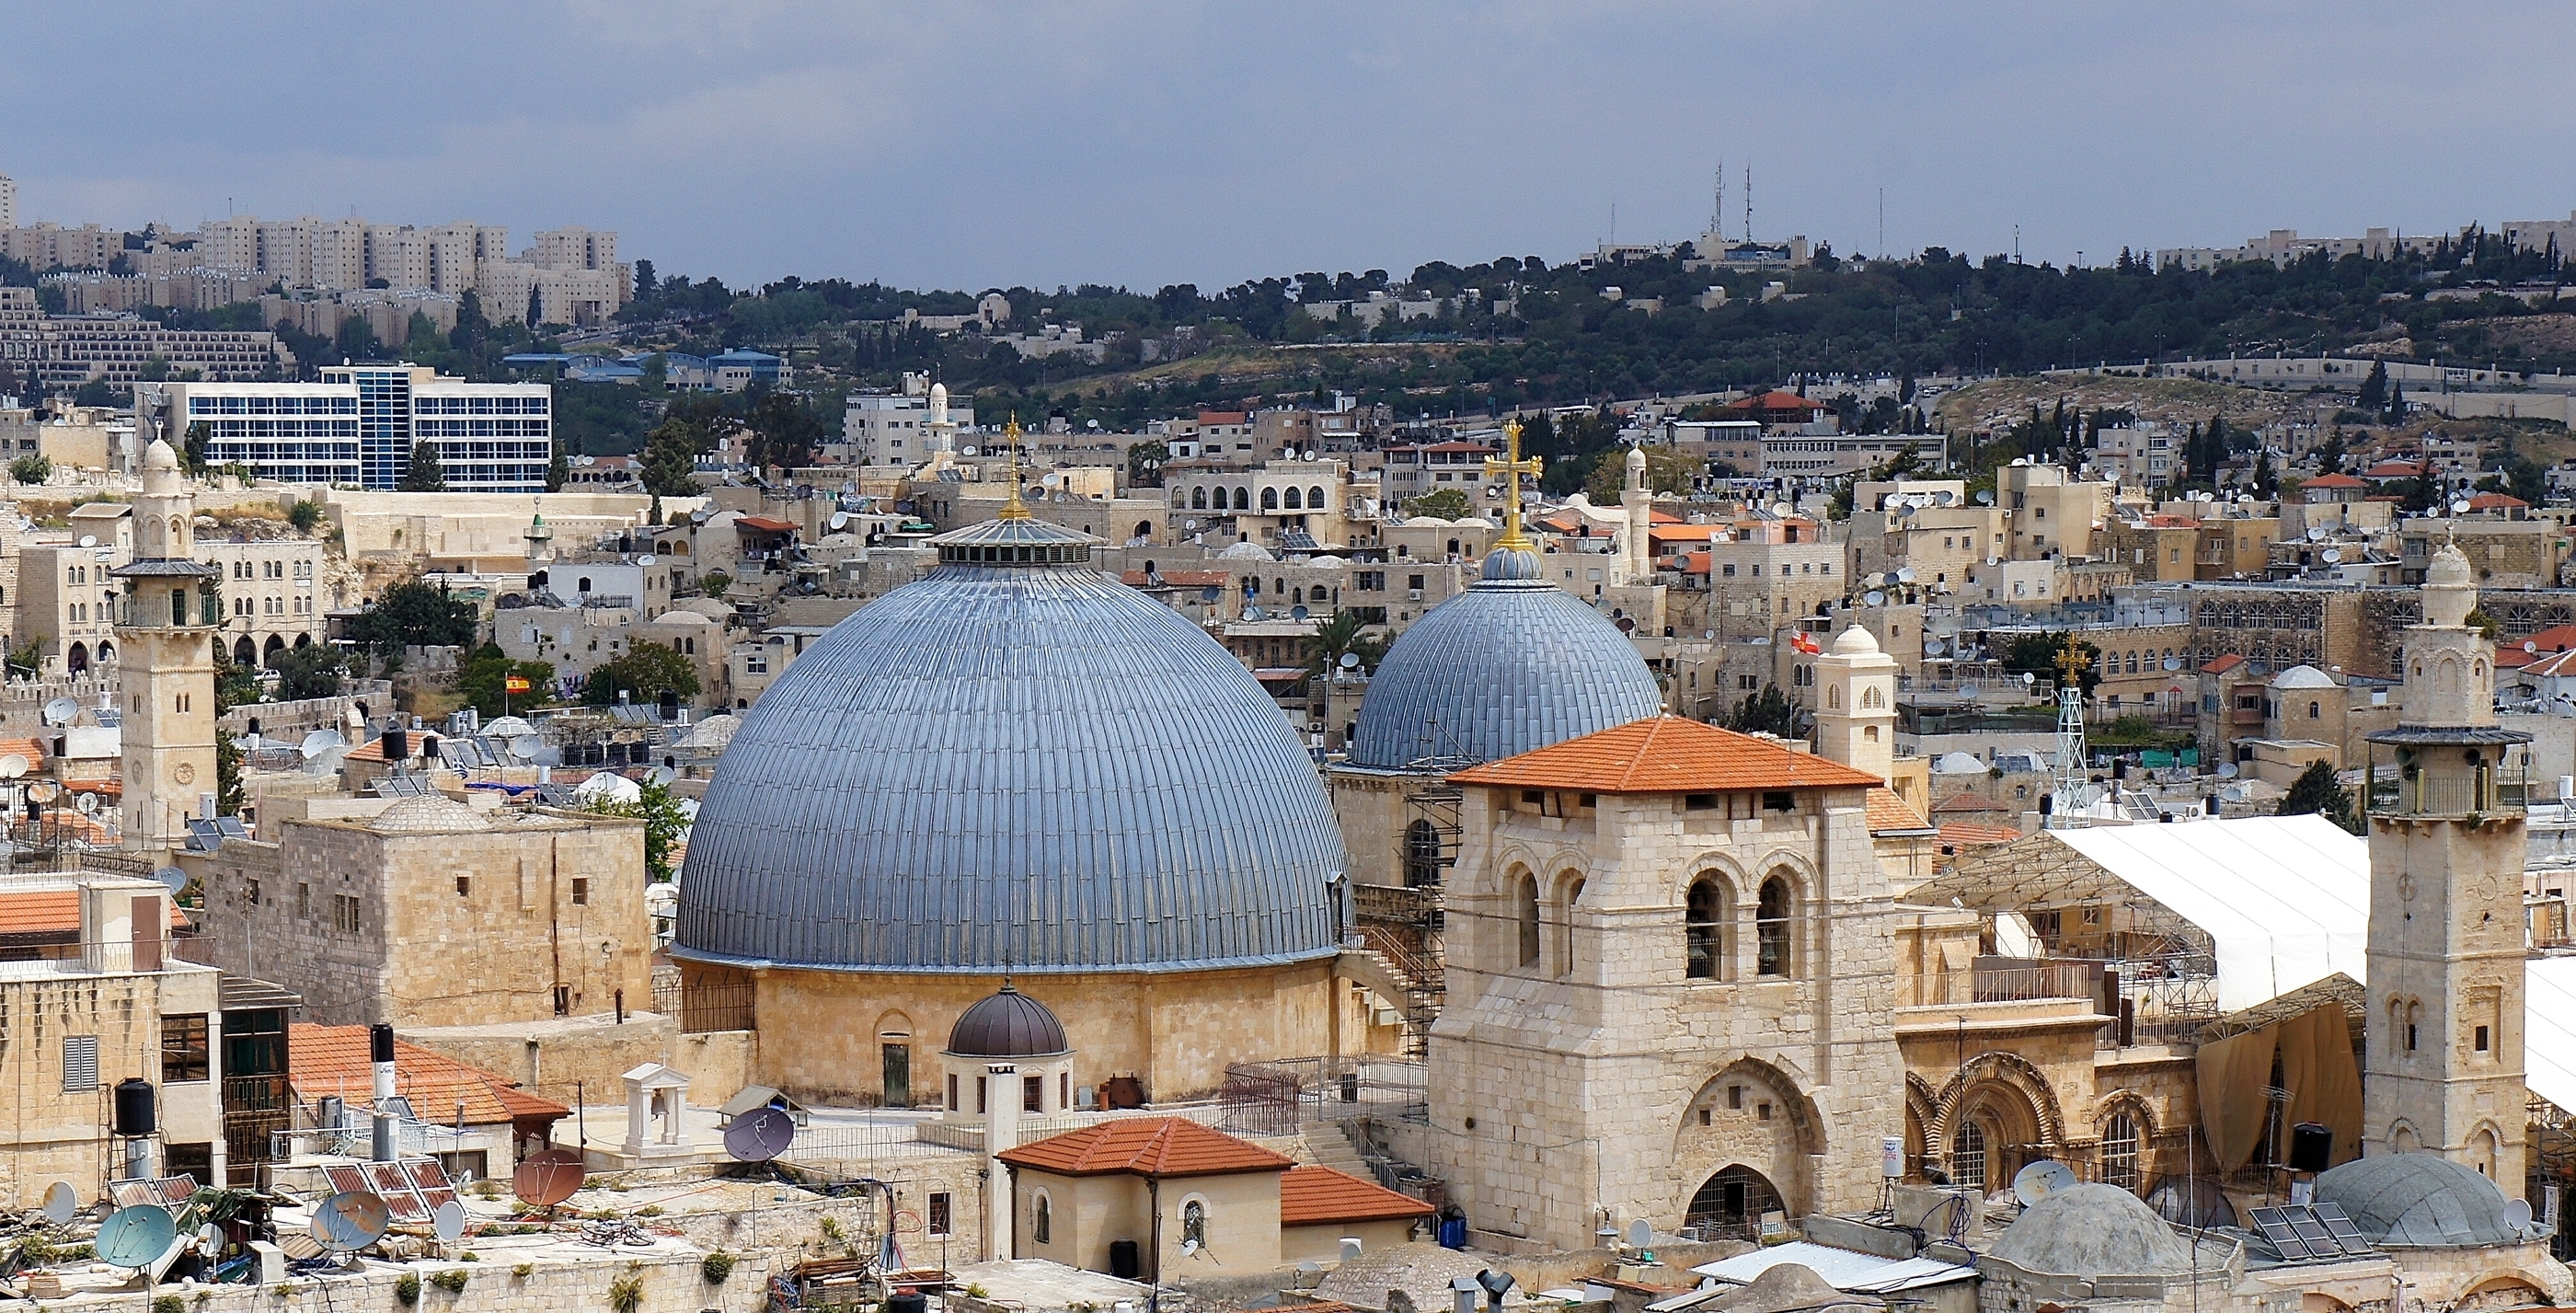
<point x="1636" y="458"/>
<point x="2303" y="677"/>
<point x="1247" y="550"/>
<point x="1855" y="641"/>
<point x="158" y="456"/>
<point x="1009" y="1024"/>
<point x="2450" y="568"/>
<point x="1510" y="565"/>
<point x="2093" y="1231"/>
<point x="2419" y="1199"/>
<point x="428" y="813"/>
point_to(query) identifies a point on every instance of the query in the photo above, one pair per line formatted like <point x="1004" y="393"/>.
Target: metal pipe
<point x="380" y="1050"/>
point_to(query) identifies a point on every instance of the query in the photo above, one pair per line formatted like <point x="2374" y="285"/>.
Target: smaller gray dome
<point x="428" y="813"/>
<point x="1512" y="564"/>
<point x="2418" y="1199"/>
<point x="2092" y="1231"/>
<point x="1009" y="1024"/>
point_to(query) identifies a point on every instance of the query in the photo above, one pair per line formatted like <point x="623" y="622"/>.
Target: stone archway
<point x="1995" y="1115"/>
<point x="1730" y="1204"/>
<point x="1753" y="1116"/>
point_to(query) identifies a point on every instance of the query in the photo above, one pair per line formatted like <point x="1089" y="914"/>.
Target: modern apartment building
<point x="8" y="202"/>
<point x="357" y="427"/>
<point x="63" y="353"/>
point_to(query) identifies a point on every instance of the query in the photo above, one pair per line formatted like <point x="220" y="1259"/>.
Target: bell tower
<point x="1856" y="704"/>
<point x="2445" y="1068"/>
<point x="165" y="634"/>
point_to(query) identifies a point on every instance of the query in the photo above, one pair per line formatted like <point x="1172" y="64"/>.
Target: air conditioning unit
<point x="1413" y="594"/>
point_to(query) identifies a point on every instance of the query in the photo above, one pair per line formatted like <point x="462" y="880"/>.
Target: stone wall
<point x="597" y="1051"/>
<point x="671" y="1284"/>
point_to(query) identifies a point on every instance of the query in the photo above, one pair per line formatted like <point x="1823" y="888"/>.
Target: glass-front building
<point x="356" y="427"/>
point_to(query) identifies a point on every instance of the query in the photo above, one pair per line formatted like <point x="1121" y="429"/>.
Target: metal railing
<point x="2484" y="791"/>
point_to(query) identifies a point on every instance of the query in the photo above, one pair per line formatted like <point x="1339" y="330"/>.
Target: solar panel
<point x="2299" y="1231"/>
<point x="429" y="1179"/>
<point x="2339" y="1225"/>
<point x="2279" y="1233"/>
<point x="391" y="1185"/>
<point x="344" y="1177"/>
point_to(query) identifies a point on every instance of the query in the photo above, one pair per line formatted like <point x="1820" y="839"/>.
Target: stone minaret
<point x="2445" y="1063"/>
<point x="1856" y="704"/>
<point x="1636" y="499"/>
<point x="165" y="628"/>
<point x="943" y="430"/>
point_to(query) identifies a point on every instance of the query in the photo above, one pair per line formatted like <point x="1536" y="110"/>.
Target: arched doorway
<point x="268" y="653"/>
<point x="106" y="652"/>
<point x="245" y="652"/>
<point x="1730" y="1204"/>
<point x="76" y="658"/>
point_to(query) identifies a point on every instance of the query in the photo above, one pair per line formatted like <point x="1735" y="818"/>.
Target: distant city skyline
<point x="1145" y="144"/>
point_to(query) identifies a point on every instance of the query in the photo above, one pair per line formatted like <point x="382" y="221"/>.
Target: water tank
<point x="134" y="1107"/>
<point x="397" y="746"/>
<point x="1122" y="1260"/>
<point x="910" y="1301"/>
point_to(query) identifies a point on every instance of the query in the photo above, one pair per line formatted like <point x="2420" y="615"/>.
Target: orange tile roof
<point x="1889" y="813"/>
<point x="324" y="1060"/>
<point x="2556" y="638"/>
<point x="1964" y="802"/>
<point x="40" y="912"/>
<point x="1145" y="1146"/>
<point x="2334" y="481"/>
<point x="1310" y="1195"/>
<point x="2491" y="501"/>
<point x="31" y="749"/>
<point x="1665" y="754"/>
<point x="1971" y="834"/>
<point x="2223" y="664"/>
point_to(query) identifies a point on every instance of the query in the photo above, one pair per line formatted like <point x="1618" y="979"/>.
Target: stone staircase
<point x="1328" y="1145"/>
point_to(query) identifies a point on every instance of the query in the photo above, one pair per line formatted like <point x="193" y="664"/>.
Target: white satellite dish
<point x="448" y="1220"/>
<point x="2317" y="533"/>
<point x="2040" y="1180"/>
<point x="325" y="762"/>
<point x="2331" y="555"/>
<point x="644" y="560"/>
<point x="526" y="746"/>
<point x="1875" y="598"/>
<point x="1944" y="497"/>
<point x="2459" y="506"/>
<point x="89" y="540"/>
<point x="1986" y="498"/>
<point x="172" y="878"/>
<point x="2227" y="770"/>
<point x="2173" y="663"/>
<point x="1350" y="661"/>
<point x="321" y="741"/>
<point x="966" y="451"/>
<point x="2028" y="679"/>
<point x="85" y="803"/>
<point x="61" y="710"/>
<point x="662" y="775"/>
<point x="2517" y="1212"/>
<point x="61" y="1201"/>
<point x="1933" y="648"/>
<point x="2527" y="646"/>
<point x="12" y="766"/>
<point x="1905" y="575"/>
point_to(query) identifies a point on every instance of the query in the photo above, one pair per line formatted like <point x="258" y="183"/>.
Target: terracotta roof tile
<point x="1665" y="754"/>
<point x="1145" y="1146"/>
<point x="1958" y="803"/>
<point x="40" y="912"/>
<point x="1970" y="834"/>
<point x="2223" y="664"/>
<point x="1309" y="1195"/>
<point x="324" y="1060"/>
<point x="1889" y="813"/>
<point x="2554" y="665"/>
<point x="2333" y="481"/>
<point x="2556" y="638"/>
<point x="2491" y="501"/>
<point x="764" y="524"/>
<point x="31" y="749"/>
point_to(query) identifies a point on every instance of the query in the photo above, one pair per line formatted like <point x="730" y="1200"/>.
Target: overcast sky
<point x="965" y="145"/>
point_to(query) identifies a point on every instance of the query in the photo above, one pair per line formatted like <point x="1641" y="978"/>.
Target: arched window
<point x="1771" y="926"/>
<point x="2312" y="710"/>
<point x="2120" y="1152"/>
<point x="1421" y="855"/>
<point x="1570" y="893"/>
<point x="1295" y="502"/>
<point x="1525" y="895"/>
<point x="1871" y="699"/>
<point x="1968" y="1155"/>
<point x="1270" y="499"/>
<point x="1869" y="733"/>
<point x="1042" y="1219"/>
<point x="1707" y="916"/>
<point x="1194" y="1223"/>
<point x="1198" y="499"/>
<point x="1242" y="499"/>
<point x="1833" y="699"/>
<point x="1315" y="499"/>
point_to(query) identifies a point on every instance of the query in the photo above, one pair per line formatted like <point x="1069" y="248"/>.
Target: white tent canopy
<point x="2549" y="1030"/>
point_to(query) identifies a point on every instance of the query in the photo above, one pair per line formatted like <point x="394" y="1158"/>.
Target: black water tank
<point x="1122" y="1260"/>
<point x="134" y="1107"/>
<point x="397" y="746"/>
<point x="911" y="1301"/>
<point x="2311" y="1147"/>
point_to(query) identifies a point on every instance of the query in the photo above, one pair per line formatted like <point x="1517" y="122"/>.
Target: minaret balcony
<point x="2447" y="772"/>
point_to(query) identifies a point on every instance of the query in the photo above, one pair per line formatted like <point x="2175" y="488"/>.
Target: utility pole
<point x="1882" y="223"/>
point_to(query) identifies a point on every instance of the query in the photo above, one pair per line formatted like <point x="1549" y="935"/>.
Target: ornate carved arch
<point x="2010" y="1069"/>
<point x="2131" y="1102"/>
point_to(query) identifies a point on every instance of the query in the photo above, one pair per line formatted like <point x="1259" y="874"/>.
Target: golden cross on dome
<point x="1012" y="507"/>
<point x="1510" y="469"/>
<point x="2071" y="664"/>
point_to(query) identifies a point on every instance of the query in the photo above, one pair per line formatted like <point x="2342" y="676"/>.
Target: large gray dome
<point x="2420" y="1199"/>
<point x="2092" y="1231"/>
<point x="1012" y="765"/>
<point x="1511" y="665"/>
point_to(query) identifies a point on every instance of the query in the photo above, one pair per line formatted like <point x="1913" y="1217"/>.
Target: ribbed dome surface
<point x="2420" y="1199"/>
<point x="1012" y="768"/>
<point x="2092" y="1231"/>
<point x="1009" y="1024"/>
<point x="1501" y="669"/>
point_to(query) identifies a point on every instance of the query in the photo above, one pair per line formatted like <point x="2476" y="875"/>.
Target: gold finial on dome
<point x="1012" y="507"/>
<point x="1510" y="469"/>
<point x="2071" y="664"/>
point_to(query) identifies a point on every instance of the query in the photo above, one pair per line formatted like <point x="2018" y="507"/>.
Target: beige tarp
<point x="2324" y="1082"/>
<point x="2234" y="1079"/>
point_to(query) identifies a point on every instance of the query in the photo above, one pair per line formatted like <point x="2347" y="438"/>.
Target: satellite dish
<point x="1641" y="1233"/>
<point x="526" y="746"/>
<point x="2331" y="555"/>
<point x="134" y="1237"/>
<point x="1875" y="598"/>
<point x="89" y="540"/>
<point x="1986" y="498"/>
<point x="546" y="1179"/>
<point x="1874" y="579"/>
<point x="448" y="1220"/>
<point x="172" y="878"/>
<point x="2227" y="770"/>
<point x="85" y="803"/>
<point x="61" y="710"/>
<point x="2517" y="1211"/>
<point x="2040" y="1180"/>
<point x="1350" y="661"/>
<point x="2316" y="533"/>
<point x="1905" y="512"/>
<point x="1932" y="648"/>
<point x="763" y="1135"/>
<point x="12" y="766"/>
<point x="662" y="775"/>
<point x="1905" y="575"/>
<point x="966" y="451"/>
<point x="325" y="762"/>
<point x="320" y="741"/>
<point x="2459" y="506"/>
<point x="2527" y="646"/>
<point x="1944" y="497"/>
<point x="2173" y="663"/>
<point x="44" y="790"/>
<point x="61" y="1201"/>
<point x="839" y="521"/>
<point x="1296" y="613"/>
<point x="2028" y="679"/>
<point x="351" y="1219"/>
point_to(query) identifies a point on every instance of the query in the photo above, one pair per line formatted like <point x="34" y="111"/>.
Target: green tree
<point x="1145" y="464"/>
<point x="644" y="673"/>
<point x="31" y="469"/>
<point x="2374" y="389"/>
<point x="714" y="583"/>
<point x="1343" y="633"/>
<point x="305" y="515"/>
<point x="1766" y="712"/>
<point x="235" y="685"/>
<point x="309" y="672"/>
<point x="664" y="822"/>
<point x="193" y="445"/>
<point x="1442" y="504"/>
<point x="559" y="466"/>
<point x="424" y="474"/>
<point x="414" y="614"/>
<point x="482" y="680"/>
<point x="784" y="433"/>
<point x="671" y="459"/>
<point x="2319" y="792"/>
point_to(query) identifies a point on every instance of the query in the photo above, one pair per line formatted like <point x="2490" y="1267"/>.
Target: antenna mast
<point x="1717" y="211"/>
<point x="2064" y="813"/>
<point x="1748" y="202"/>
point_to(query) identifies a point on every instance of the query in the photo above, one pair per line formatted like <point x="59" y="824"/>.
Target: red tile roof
<point x="1775" y="399"/>
<point x="1145" y="1146"/>
<point x="2223" y="664"/>
<point x="1973" y="834"/>
<point x="1890" y="814"/>
<point x="2557" y="665"/>
<point x="764" y="524"/>
<point x="1312" y="1195"/>
<point x="2556" y="638"/>
<point x="1665" y="754"/>
<point x="2496" y="501"/>
<point x="31" y="749"/>
<point x="52" y="912"/>
<point x="2334" y="481"/>
<point x="334" y="1060"/>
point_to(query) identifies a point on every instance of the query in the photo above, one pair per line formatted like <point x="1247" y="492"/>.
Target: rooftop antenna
<point x="2016" y="243"/>
<point x="1717" y="211"/>
<point x="1882" y="223"/>
<point x="1748" y="202"/>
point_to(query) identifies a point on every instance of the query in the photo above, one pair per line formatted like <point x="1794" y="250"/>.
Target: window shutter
<point x="80" y="1062"/>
